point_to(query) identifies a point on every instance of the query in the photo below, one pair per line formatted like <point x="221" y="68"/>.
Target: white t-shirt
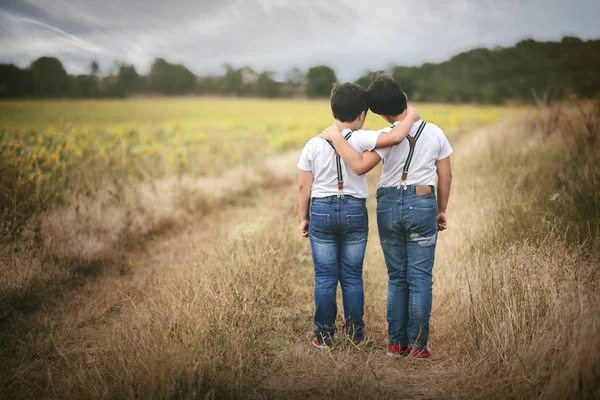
<point x="319" y="158"/>
<point x="431" y="147"/>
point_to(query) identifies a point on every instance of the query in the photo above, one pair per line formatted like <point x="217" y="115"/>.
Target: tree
<point x="128" y="80"/>
<point x="294" y="84"/>
<point x="170" y="79"/>
<point x="497" y="75"/>
<point x="366" y="79"/>
<point x="294" y="76"/>
<point x="233" y="80"/>
<point x="49" y="78"/>
<point x="14" y="82"/>
<point x="209" y="85"/>
<point x="405" y="76"/>
<point x="319" y="81"/>
<point x="266" y="86"/>
<point x="94" y="68"/>
<point x="84" y="86"/>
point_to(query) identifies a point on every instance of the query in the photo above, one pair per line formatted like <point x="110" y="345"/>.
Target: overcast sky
<point x="352" y="36"/>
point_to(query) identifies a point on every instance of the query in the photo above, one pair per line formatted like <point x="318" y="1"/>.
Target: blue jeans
<point x="408" y="230"/>
<point x="338" y="237"/>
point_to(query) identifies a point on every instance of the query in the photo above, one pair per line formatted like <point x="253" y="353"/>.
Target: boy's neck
<point x="346" y="125"/>
<point x="398" y="118"/>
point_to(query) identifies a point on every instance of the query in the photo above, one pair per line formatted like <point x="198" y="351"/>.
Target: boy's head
<point x="385" y="97"/>
<point x="349" y="103"/>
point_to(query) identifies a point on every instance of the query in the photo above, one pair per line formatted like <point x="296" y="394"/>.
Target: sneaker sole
<point x="418" y="355"/>
<point x="320" y="346"/>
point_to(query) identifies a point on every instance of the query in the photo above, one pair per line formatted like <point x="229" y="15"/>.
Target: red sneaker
<point x="397" y="351"/>
<point x="423" y="353"/>
<point x="319" y="345"/>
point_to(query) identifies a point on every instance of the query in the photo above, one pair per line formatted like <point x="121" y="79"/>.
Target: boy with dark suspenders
<point x="336" y="222"/>
<point x="408" y="214"/>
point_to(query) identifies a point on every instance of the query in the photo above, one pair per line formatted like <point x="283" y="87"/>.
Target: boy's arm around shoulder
<point x="400" y="131"/>
<point x="360" y="163"/>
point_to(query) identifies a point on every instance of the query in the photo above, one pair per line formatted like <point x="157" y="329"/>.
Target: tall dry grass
<point x="224" y="309"/>
<point x="93" y="233"/>
<point x="525" y="299"/>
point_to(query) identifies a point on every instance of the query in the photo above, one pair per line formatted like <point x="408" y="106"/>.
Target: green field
<point x="64" y="149"/>
<point x="197" y="136"/>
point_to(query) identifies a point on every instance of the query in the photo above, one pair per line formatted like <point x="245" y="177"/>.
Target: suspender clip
<point x="412" y="141"/>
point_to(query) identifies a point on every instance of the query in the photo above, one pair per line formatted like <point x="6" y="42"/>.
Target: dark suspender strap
<point x="412" y="141"/>
<point x="338" y="164"/>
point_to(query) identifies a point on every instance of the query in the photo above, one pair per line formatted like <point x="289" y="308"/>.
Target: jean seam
<point x="366" y="239"/>
<point x="320" y="240"/>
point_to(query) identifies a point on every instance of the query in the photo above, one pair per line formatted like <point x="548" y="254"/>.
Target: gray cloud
<point x="351" y="36"/>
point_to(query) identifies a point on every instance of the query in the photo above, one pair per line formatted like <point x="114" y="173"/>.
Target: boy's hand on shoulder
<point x="413" y="114"/>
<point x="304" y="224"/>
<point x="331" y="132"/>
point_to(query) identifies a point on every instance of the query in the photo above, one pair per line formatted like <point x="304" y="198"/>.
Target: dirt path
<point x="63" y="335"/>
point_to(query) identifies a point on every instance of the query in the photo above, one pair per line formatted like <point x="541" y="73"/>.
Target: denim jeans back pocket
<point x="357" y="220"/>
<point x="318" y="220"/>
<point x="357" y="227"/>
<point x="384" y="218"/>
<point x="320" y="227"/>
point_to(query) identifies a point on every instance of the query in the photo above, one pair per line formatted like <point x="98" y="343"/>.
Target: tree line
<point x="479" y="75"/>
<point x="46" y="77"/>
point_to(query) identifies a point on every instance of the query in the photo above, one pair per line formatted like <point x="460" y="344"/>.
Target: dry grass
<point x="529" y="288"/>
<point x="221" y="306"/>
<point x="94" y="232"/>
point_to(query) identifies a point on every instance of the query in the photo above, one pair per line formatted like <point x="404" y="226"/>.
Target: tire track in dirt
<point x="89" y="297"/>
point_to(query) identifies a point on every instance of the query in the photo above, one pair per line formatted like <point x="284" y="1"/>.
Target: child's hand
<point x="304" y="227"/>
<point x="442" y="222"/>
<point x="413" y="113"/>
<point x="331" y="132"/>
